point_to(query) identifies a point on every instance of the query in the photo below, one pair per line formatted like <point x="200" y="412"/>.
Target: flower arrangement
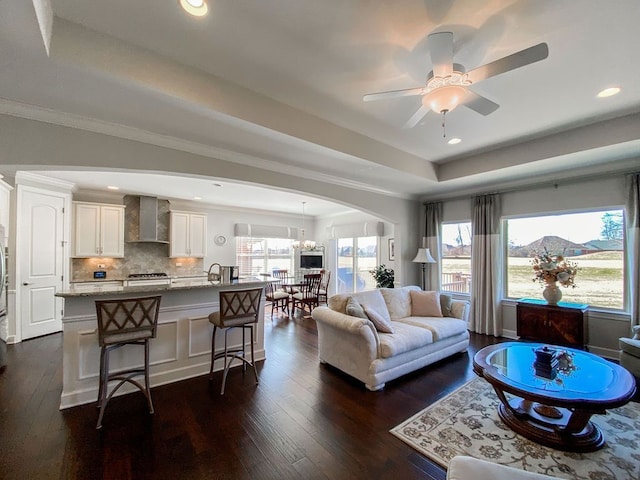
<point x="548" y="269"/>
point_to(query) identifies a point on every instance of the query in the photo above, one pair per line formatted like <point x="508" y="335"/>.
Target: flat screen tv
<point x="310" y="261"/>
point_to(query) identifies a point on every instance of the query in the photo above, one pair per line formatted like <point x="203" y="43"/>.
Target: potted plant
<point x="383" y="276"/>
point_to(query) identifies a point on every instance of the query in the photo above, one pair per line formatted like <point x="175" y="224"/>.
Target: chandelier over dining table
<point x="302" y="243"/>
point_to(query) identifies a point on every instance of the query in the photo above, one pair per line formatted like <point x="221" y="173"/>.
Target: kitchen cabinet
<point x="562" y="324"/>
<point x="188" y="234"/>
<point x="99" y="230"/>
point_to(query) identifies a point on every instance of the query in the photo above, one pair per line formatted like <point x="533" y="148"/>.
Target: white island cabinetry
<point x="188" y="234"/>
<point x="98" y="230"/>
<point x="181" y="349"/>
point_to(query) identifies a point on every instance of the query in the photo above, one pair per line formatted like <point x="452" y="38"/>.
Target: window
<point x="594" y="240"/>
<point x="456" y="257"/>
<point x="262" y="255"/>
<point x="357" y="255"/>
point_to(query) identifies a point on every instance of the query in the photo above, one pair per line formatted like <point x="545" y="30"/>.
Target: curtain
<point x="632" y="222"/>
<point x="486" y="271"/>
<point x="433" y="218"/>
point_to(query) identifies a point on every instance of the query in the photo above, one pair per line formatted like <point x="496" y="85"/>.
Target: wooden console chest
<point x="563" y="324"/>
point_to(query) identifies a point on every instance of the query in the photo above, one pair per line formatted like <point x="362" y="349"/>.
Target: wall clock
<point x="220" y="240"/>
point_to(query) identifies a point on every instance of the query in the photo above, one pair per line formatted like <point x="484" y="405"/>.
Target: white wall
<point x="604" y="328"/>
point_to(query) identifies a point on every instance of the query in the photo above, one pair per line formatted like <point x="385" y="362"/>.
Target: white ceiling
<point x="279" y="84"/>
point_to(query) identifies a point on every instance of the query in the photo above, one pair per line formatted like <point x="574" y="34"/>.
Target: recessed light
<point x="197" y="8"/>
<point x="111" y="187"/>
<point x="197" y="198"/>
<point x="609" y="92"/>
<point x="454" y="141"/>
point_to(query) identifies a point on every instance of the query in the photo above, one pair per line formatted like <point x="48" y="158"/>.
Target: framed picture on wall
<point x="392" y="249"/>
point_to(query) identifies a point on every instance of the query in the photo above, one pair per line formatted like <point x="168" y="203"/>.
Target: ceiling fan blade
<point x="393" y="94"/>
<point x="441" y="48"/>
<point x="479" y="104"/>
<point x="416" y="117"/>
<point x="510" y="62"/>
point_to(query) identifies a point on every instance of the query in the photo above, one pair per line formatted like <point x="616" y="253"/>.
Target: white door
<point x="41" y="260"/>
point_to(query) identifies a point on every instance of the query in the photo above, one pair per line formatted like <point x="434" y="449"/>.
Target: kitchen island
<point x="181" y="349"/>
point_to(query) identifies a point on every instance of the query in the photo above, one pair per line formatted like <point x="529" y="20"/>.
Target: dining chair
<point x="324" y="286"/>
<point x="238" y="309"/>
<point x="129" y="321"/>
<point x="308" y="294"/>
<point x="276" y="297"/>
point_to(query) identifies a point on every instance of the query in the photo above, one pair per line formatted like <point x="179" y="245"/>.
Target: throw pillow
<point x="381" y="323"/>
<point x="446" y="302"/>
<point x="425" y="304"/>
<point x="355" y="309"/>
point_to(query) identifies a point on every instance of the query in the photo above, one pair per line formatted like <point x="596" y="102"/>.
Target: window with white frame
<point x="263" y="255"/>
<point x="593" y="240"/>
<point x="456" y="257"/>
<point x="356" y="257"/>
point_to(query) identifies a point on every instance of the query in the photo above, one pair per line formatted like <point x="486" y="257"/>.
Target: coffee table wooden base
<point x="521" y="416"/>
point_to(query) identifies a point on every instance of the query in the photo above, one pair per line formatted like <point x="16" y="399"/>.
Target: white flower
<point x="563" y="277"/>
<point x="548" y="266"/>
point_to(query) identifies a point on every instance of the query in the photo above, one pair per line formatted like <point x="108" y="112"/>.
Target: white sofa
<point x="355" y="346"/>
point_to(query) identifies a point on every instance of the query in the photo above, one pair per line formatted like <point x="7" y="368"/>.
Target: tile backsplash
<point x="138" y="258"/>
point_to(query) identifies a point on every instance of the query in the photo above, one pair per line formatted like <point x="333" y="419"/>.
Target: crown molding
<point x="55" y="117"/>
<point x="25" y="177"/>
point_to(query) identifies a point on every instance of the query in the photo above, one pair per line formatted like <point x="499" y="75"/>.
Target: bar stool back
<point x="130" y="321"/>
<point x="238" y="309"/>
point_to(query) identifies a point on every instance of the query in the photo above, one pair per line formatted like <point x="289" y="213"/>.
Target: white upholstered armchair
<point x="630" y="352"/>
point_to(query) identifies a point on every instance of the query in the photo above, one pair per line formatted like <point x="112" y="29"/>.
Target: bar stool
<point x="130" y="321"/>
<point x="238" y="309"/>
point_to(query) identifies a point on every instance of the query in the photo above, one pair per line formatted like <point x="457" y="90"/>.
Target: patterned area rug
<point x="466" y="423"/>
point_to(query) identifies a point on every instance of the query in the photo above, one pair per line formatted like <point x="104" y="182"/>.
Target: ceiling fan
<point x="448" y="83"/>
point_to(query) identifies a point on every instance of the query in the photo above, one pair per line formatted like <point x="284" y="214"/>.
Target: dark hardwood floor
<point x="304" y="420"/>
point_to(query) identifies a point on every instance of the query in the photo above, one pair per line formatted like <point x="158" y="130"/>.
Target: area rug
<point x="466" y="423"/>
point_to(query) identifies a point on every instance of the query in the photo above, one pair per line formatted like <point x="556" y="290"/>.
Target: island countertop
<point x="202" y="283"/>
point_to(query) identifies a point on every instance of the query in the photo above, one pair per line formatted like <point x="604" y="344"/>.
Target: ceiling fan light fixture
<point x="197" y="8"/>
<point x="445" y="98"/>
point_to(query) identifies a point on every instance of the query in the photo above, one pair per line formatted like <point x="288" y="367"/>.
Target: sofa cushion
<point x="355" y="309"/>
<point x="403" y="339"/>
<point x="440" y="327"/>
<point x="381" y="324"/>
<point x="425" y="304"/>
<point x="374" y="300"/>
<point x="446" y="302"/>
<point x="398" y="301"/>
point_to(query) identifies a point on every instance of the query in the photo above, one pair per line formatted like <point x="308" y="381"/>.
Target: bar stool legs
<point x="230" y="355"/>
<point x="123" y="377"/>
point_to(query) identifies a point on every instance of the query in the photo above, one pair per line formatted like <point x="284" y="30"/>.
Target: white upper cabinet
<point x="99" y="230"/>
<point x="188" y="234"/>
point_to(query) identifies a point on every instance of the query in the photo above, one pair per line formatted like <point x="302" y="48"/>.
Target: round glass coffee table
<point x="552" y="403"/>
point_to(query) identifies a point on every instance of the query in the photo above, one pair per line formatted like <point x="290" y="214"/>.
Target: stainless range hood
<point x="146" y="219"/>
